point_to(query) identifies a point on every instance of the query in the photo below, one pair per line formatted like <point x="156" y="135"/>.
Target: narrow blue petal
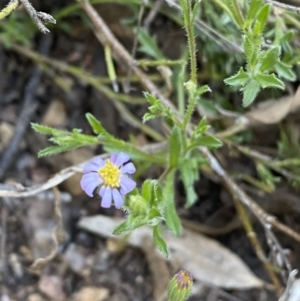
<point x="94" y="165"/>
<point x="106" y="197"/>
<point x="118" y="199"/>
<point x="102" y="190"/>
<point x="121" y="159"/>
<point x="113" y="158"/>
<point x="89" y="189"/>
<point x="128" y="168"/>
<point x="89" y="182"/>
<point x="127" y="185"/>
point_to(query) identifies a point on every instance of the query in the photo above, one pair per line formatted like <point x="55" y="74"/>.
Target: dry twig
<point x="39" y="18"/>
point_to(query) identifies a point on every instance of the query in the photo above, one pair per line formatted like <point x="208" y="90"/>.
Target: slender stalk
<point x="189" y="26"/>
<point x="192" y="86"/>
<point x="111" y="68"/>
<point x="6" y="11"/>
<point x="256" y="245"/>
<point x="147" y="63"/>
<point x="165" y="174"/>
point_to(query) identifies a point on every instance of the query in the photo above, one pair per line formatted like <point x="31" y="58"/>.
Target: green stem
<point x="187" y="11"/>
<point x="189" y="111"/>
<point x="146" y="63"/>
<point x="6" y="11"/>
<point x="189" y="25"/>
<point x="165" y="174"/>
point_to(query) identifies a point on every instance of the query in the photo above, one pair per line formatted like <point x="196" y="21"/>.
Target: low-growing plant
<point x="265" y="61"/>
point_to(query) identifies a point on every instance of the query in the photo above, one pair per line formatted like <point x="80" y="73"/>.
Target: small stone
<point x="6" y="133"/>
<point x="52" y="287"/>
<point x="76" y="257"/>
<point x="55" y="115"/>
<point x="35" y="297"/>
<point x="92" y="294"/>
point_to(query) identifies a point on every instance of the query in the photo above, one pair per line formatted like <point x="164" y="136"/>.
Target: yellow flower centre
<point x="184" y="279"/>
<point x="110" y="174"/>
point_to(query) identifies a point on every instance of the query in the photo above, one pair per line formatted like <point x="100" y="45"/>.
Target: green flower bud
<point x="180" y="286"/>
<point x="190" y="86"/>
<point x="137" y="204"/>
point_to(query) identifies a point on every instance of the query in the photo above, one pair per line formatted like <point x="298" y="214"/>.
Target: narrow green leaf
<point x="46" y="130"/>
<point x="147" y="190"/>
<point x="288" y="36"/>
<point x="189" y="173"/>
<point x="160" y="242"/>
<point x="285" y="71"/>
<point x="269" y="81"/>
<point x="203" y="89"/>
<point x="171" y="216"/>
<point x="149" y="45"/>
<point x="157" y="109"/>
<point x="133" y="152"/>
<point x="122" y="228"/>
<point x="235" y="13"/>
<point x="149" y="116"/>
<point x="132" y="222"/>
<point x="154" y="213"/>
<point x="96" y="125"/>
<point x="270" y="58"/>
<point x="254" y="7"/>
<point x="249" y="92"/>
<point x="154" y="217"/>
<point x="56" y="149"/>
<point x="150" y="98"/>
<point x="175" y="146"/>
<point x="208" y="141"/>
<point x="262" y="18"/>
<point x="239" y="79"/>
<point x="195" y="11"/>
<point x="156" y="193"/>
<point x="202" y="127"/>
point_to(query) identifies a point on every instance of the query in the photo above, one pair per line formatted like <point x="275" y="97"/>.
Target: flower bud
<point x="190" y="86"/>
<point x="137" y="204"/>
<point x="180" y="286"/>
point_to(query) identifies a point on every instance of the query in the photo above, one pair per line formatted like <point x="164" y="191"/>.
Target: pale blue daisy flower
<point x="112" y="177"/>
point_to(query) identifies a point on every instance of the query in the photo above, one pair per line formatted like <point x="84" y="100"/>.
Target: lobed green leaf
<point x="270" y="58"/>
<point x="239" y="79"/>
<point x="250" y="91"/>
<point x="208" y="141"/>
<point x="285" y="71"/>
<point x="269" y="81"/>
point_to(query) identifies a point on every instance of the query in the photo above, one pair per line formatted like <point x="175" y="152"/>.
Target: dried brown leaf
<point x="205" y="258"/>
<point x="273" y="111"/>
